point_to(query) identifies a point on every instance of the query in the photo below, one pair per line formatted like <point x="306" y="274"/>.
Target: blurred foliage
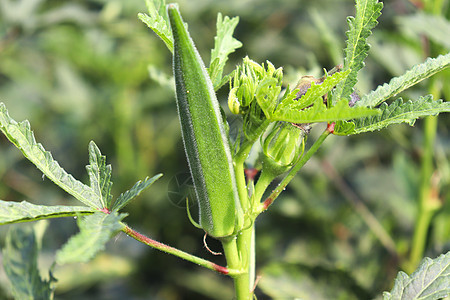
<point x="78" y="70"/>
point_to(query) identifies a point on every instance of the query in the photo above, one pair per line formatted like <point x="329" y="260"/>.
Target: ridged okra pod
<point x="204" y="136"/>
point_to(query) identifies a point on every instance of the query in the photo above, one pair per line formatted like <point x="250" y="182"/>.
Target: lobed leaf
<point x="430" y="281"/>
<point x="314" y="92"/>
<point x="95" y="232"/>
<point x="22" y="137"/>
<point x="319" y="112"/>
<point x="224" y="44"/>
<point x="20" y="263"/>
<point x="398" y="84"/>
<point x="132" y="193"/>
<point x="99" y="176"/>
<point x="399" y="112"/>
<point x="158" y="21"/>
<point x="360" y="26"/>
<point x="15" y="212"/>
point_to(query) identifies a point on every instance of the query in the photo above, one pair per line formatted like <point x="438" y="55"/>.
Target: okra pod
<point x="204" y="136"/>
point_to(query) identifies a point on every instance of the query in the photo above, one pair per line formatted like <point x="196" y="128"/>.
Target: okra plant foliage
<point x="276" y="122"/>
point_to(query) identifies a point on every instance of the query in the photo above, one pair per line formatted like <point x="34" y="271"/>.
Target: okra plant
<point x="231" y="191"/>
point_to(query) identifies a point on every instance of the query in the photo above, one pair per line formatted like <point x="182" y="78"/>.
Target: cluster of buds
<point x="250" y="80"/>
<point x="247" y="79"/>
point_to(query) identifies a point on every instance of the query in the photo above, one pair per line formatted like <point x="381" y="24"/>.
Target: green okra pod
<point x="204" y="136"/>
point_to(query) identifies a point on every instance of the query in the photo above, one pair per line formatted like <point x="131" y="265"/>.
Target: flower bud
<point x="282" y="147"/>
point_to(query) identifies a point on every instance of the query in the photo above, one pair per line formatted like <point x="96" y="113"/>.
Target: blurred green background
<point x="79" y="71"/>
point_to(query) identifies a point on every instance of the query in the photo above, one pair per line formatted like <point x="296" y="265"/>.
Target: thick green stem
<point x="181" y="254"/>
<point x="236" y="260"/>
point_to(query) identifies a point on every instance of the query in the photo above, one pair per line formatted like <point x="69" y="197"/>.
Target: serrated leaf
<point x="398" y="84"/>
<point x="224" y="44"/>
<point x="22" y="137"/>
<point x="158" y="21"/>
<point x="344" y="128"/>
<point x="99" y="176"/>
<point x="430" y="281"/>
<point x="15" y="212"/>
<point x="132" y="193"/>
<point x="20" y="264"/>
<point x="320" y="113"/>
<point x="314" y="93"/>
<point x="95" y="232"/>
<point x="360" y="26"/>
<point x="400" y="112"/>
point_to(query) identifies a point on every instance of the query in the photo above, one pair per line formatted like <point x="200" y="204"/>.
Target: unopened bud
<point x="282" y="147"/>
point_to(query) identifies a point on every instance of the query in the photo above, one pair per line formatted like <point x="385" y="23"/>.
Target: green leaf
<point x="124" y="198"/>
<point x="22" y="137"/>
<point x="20" y="264"/>
<point x="344" y="128"/>
<point x="15" y="212"/>
<point x="158" y="21"/>
<point x="400" y="112"/>
<point x="266" y="95"/>
<point x="224" y="44"/>
<point x="430" y="281"/>
<point x="320" y="113"/>
<point x="95" y="232"/>
<point x="99" y="176"/>
<point x="398" y="84"/>
<point x="367" y="12"/>
<point x="314" y="93"/>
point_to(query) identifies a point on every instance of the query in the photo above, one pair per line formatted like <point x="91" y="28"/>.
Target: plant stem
<point x="181" y="254"/>
<point x="269" y="200"/>
<point x="239" y="168"/>
<point x="264" y="180"/>
<point x="236" y="260"/>
<point x="239" y="171"/>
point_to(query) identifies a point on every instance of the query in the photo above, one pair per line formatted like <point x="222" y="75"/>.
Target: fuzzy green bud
<point x="282" y="147"/>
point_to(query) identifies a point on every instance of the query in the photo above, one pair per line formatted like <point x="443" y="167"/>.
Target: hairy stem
<point x="239" y="171"/>
<point x="235" y="260"/>
<point x="181" y="254"/>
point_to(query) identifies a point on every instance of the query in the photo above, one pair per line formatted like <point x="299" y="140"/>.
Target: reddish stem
<point x="174" y="251"/>
<point x="330" y="127"/>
